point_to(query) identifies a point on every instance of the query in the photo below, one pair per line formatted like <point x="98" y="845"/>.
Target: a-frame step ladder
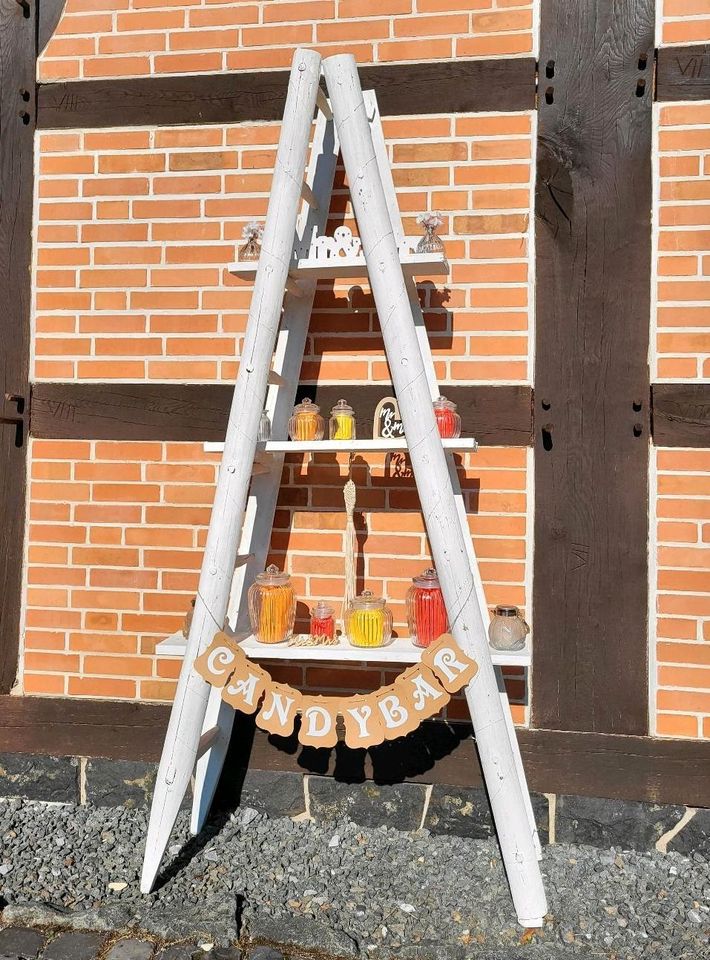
<point x="245" y="498"/>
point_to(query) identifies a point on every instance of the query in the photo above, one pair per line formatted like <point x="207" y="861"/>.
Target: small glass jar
<point x="306" y="422"/>
<point x="368" y="622"/>
<point x="264" y="427"/>
<point x="426" y="612"/>
<point x="507" y="630"/>
<point x="322" y="621"/>
<point x="447" y="420"/>
<point x="342" y="421"/>
<point x="272" y="606"/>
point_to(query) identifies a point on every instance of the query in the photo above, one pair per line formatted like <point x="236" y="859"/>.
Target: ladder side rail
<point x="434" y="486"/>
<point x="385" y="170"/>
<point x="190" y="704"/>
<point x="264" y="493"/>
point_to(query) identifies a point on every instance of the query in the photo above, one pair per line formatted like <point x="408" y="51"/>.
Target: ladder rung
<point x="243" y="559"/>
<point x="206" y="741"/>
<point x="293" y="288"/>
<point x="323" y="105"/>
<point x="277" y="379"/>
<point x="309" y="196"/>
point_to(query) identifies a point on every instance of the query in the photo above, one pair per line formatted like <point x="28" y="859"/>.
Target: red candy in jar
<point x="426" y="613"/>
<point x="447" y="420"/>
<point x="322" y="622"/>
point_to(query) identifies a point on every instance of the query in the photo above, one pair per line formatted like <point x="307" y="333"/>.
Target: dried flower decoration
<point x="251" y="234"/>
<point x="430" y="243"/>
<point x="252" y="230"/>
<point x="430" y="220"/>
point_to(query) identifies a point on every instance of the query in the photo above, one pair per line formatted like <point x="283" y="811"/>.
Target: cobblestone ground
<point x="69" y="891"/>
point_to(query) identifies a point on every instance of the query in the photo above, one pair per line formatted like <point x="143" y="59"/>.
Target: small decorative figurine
<point x="264" y="427"/>
<point x="426" y="612"/>
<point x="252" y="234"/>
<point x="306" y="422"/>
<point x="507" y="630"/>
<point x="342" y="421"/>
<point x="368" y="622"/>
<point x="322" y="622"/>
<point x="272" y="606"/>
<point x="447" y="420"/>
<point x="430" y="242"/>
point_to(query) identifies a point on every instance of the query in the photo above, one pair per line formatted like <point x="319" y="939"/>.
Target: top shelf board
<point x="374" y="444"/>
<point x="413" y="265"/>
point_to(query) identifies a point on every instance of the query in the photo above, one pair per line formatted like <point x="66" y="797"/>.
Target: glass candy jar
<point x="272" y="606"/>
<point x="342" y="421"/>
<point x="322" y="622"/>
<point x="447" y="420"/>
<point x="306" y="422"/>
<point x="507" y="630"/>
<point x="426" y="613"/>
<point x="264" y="427"/>
<point x="368" y="622"/>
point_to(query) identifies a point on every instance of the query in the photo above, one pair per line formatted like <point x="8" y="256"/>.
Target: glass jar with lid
<point x="507" y="630"/>
<point x="426" y="612"/>
<point x="322" y="621"/>
<point x="447" y="419"/>
<point x="368" y="621"/>
<point x="306" y="422"/>
<point x="342" y="421"/>
<point x="264" y="427"/>
<point x="272" y="606"/>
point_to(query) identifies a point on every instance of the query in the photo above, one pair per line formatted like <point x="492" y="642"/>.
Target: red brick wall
<point x="118" y="38"/>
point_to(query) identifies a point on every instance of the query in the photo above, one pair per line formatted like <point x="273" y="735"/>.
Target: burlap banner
<point x="418" y="693"/>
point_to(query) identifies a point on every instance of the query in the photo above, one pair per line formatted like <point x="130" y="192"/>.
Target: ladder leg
<point x="190" y="705"/>
<point x="430" y="468"/>
<point x="264" y="490"/>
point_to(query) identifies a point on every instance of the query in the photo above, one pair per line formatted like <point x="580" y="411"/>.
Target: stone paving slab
<point x="21" y="943"/>
<point x="74" y="945"/>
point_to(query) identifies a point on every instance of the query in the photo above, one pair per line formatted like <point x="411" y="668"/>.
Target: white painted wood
<point x="431" y="471"/>
<point x="190" y="704"/>
<point x="256" y="534"/>
<point x="400" y="650"/>
<point x="413" y="264"/>
<point x="372" y="445"/>
<point x="385" y="171"/>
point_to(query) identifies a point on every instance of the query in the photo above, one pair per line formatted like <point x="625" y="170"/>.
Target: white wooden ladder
<point x="245" y="500"/>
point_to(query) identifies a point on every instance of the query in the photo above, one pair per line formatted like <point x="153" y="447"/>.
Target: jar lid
<point x="441" y="403"/>
<point x="427" y="579"/>
<point x="503" y="611"/>
<point x="306" y="406"/>
<point x="368" y="601"/>
<point x="342" y="406"/>
<point x="272" y="576"/>
<point x="322" y="610"/>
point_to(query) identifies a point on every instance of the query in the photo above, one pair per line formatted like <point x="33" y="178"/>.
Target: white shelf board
<point x="463" y="444"/>
<point x="398" y="651"/>
<point x="413" y="265"/>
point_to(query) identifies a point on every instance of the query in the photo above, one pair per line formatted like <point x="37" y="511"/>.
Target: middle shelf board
<point x="463" y="445"/>
<point x="400" y="650"/>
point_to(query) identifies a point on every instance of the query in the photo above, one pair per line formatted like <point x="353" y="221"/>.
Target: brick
<point x="101" y="688"/>
<point x="674" y="725"/>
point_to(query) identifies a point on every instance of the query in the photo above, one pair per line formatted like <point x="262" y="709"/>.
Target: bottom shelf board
<point x="398" y="651"/>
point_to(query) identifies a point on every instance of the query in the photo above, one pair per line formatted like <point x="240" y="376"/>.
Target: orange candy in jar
<point x="306" y="422"/>
<point x="272" y="606"/>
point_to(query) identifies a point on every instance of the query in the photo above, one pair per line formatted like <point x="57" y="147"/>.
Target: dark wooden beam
<point x="681" y="414"/>
<point x="587" y="764"/>
<point x="447" y="86"/>
<point x="495" y="415"/>
<point x="17" y="124"/>
<point x="593" y="248"/>
<point x="683" y="73"/>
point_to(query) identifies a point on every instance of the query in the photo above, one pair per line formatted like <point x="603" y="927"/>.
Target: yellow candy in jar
<point x="342" y="422"/>
<point x="368" y="622"/>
